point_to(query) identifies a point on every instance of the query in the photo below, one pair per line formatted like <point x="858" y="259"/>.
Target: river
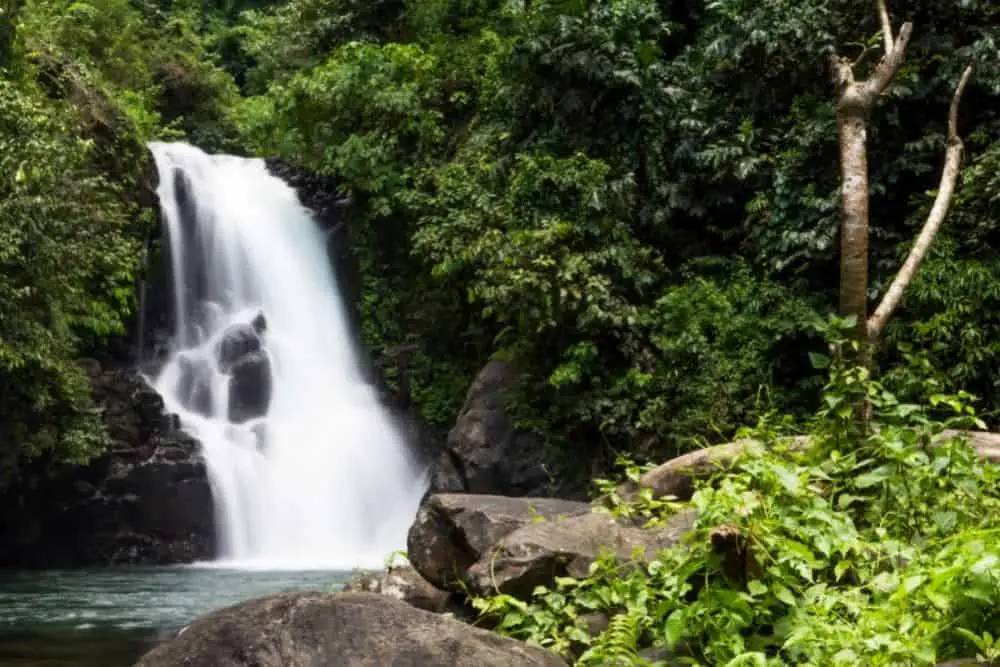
<point x="109" y="617"/>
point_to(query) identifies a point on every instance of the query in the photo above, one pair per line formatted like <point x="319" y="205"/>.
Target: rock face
<point x="484" y="453"/>
<point x="453" y="531"/>
<point x="146" y="501"/>
<point x="306" y="629"/>
<point x="403" y="583"/>
<point x="537" y="553"/>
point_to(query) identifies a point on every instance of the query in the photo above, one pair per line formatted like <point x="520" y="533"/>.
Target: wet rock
<point x="237" y="342"/>
<point x="537" y="553"/>
<point x="404" y="583"/>
<point x="484" y="453"/>
<point x="453" y="531"/>
<point x="250" y="387"/>
<point x="146" y="501"/>
<point x="311" y="629"/>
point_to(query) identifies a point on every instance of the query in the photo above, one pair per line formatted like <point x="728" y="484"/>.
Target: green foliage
<point x="67" y="269"/>
<point x="84" y="85"/>
<point x="568" y="184"/>
<point x="634" y="201"/>
<point x="872" y="548"/>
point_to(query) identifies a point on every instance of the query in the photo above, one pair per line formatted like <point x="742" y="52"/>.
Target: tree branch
<point x="890" y="64"/>
<point x="883" y="15"/>
<point x="946" y="190"/>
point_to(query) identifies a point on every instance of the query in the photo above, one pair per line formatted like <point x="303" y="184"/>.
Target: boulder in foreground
<point x="313" y="629"/>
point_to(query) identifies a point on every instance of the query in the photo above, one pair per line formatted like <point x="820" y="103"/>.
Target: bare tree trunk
<point x="852" y="133"/>
<point x="855" y="102"/>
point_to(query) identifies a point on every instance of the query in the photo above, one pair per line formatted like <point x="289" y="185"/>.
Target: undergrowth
<point x="876" y="545"/>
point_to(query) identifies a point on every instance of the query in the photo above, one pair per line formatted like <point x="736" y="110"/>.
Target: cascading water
<point x="307" y="468"/>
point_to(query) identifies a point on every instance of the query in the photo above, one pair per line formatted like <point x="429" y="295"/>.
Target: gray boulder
<point x="453" y="531"/>
<point x="537" y="553"/>
<point x="238" y="341"/>
<point x="484" y="453"/>
<point x="311" y="629"/>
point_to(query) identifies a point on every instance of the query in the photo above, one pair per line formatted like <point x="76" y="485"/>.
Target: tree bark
<point x="854" y="104"/>
<point x="852" y="133"/>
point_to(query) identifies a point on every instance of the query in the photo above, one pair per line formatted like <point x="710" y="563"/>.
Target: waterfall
<point x="307" y="468"/>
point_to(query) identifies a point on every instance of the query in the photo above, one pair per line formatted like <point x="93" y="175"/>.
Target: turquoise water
<point x="109" y="617"/>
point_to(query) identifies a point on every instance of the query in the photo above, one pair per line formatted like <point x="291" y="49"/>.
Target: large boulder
<point x="311" y="629"/>
<point x="484" y="453"/>
<point x="537" y="553"/>
<point x="146" y="501"/>
<point x="453" y="531"/>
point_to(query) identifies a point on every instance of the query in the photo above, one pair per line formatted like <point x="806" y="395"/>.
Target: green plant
<point x="867" y="547"/>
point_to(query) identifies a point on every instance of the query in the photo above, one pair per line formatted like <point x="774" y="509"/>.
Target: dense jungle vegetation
<point x="637" y="202"/>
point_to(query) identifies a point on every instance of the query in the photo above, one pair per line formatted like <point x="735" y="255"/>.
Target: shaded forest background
<point x="635" y="201"/>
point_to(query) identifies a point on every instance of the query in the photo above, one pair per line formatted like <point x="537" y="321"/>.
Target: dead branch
<point x="946" y="190"/>
<point x="677" y="477"/>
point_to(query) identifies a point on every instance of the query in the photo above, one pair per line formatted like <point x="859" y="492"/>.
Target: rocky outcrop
<point x="453" y="531"/>
<point x="537" y="553"/>
<point x="308" y="629"/>
<point x="405" y="584"/>
<point x="146" y="501"/>
<point x="484" y="453"/>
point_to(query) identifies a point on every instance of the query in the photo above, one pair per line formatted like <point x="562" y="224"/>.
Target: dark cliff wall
<point x="147" y="500"/>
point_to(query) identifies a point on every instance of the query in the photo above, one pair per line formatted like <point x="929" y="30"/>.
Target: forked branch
<point x="890" y="64"/>
<point x="946" y="190"/>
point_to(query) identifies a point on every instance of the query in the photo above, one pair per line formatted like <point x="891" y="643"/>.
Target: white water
<point x="324" y="479"/>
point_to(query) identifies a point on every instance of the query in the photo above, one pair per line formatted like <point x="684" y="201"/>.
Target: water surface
<point x="109" y="617"/>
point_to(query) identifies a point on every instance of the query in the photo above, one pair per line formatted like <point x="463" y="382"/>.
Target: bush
<point x="870" y="547"/>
